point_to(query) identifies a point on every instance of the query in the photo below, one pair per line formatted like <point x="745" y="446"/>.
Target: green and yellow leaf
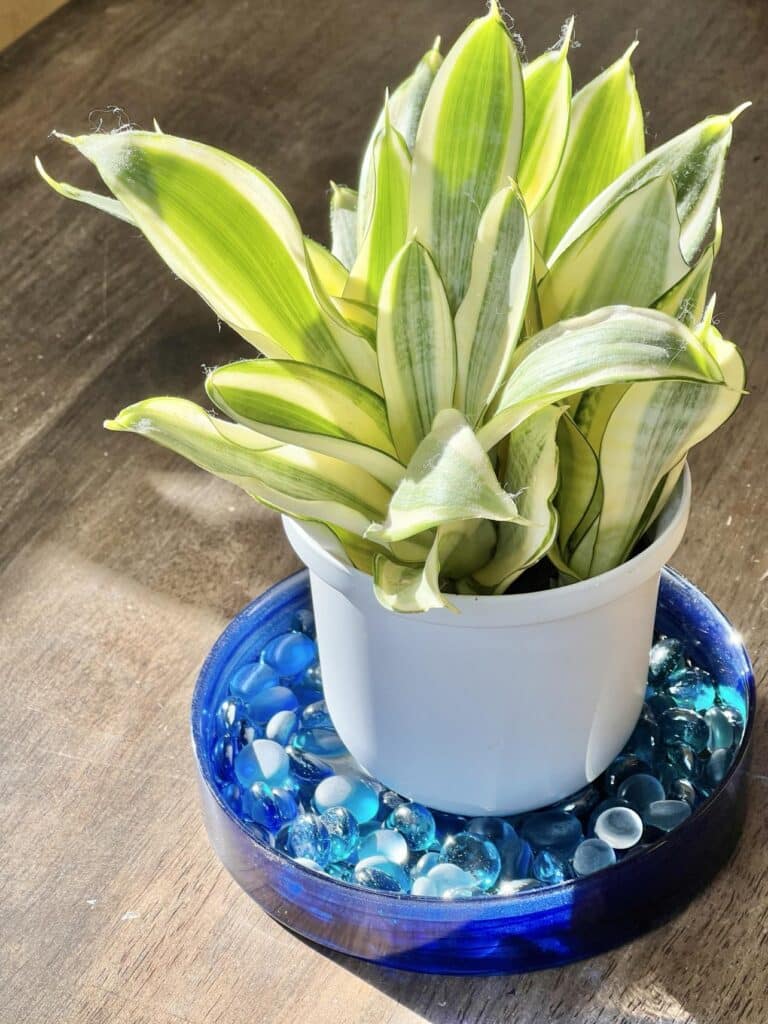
<point x="343" y="224"/>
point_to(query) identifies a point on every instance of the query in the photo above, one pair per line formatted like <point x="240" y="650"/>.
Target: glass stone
<point x="389" y="800"/>
<point x="323" y="742"/>
<point x="592" y="855"/>
<point x="270" y="808"/>
<point x="682" y="760"/>
<point x="290" y="654"/>
<point x="344" y="872"/>
<point x="475" y="855"/>
<point x="415" y="823"/>
<point x="443" y="881"/>
<point x="308" y="837"/>
<point x="665" y="815"/>
<point x="231" y="711"/>
<point x="386" y="843"/>
<point x="728" y="697"/>
<point x="379" y="873"/>
<point x="641" y="790"/>
<point x="621" y="768"/>
<point x="717" y="767"/>
<point x="645" y="739"/>
<point x="224" y="753"/>
<point x="682" y="789"/>
<point x="251" y="679"/>
<point x="281" y="727"/>
<point x="721" y="729"/>
<point x="685" y="726"/>
<point x="516" y="857"/>
<point x="552" y="830"/>
<point x="604" y="805"/>
<point x="343" y="830"/>
<point x="424" y="864"/>
<point x="267" y="703"/>
<point x="495" y="829"/>
<point x="262" y="761"/>
<point x="230" y="791"/>
<point x="658" y="703"/>
<point x="692" y="688"/>
<point x="550" y="868"/>
<point x="581" y="803"/>
<point x="307" y="771"/>
<point x="360" y="798"/>
<point x="620" y="827"/>
<point x="316" y="716"/>
<point x="667" y="655"/>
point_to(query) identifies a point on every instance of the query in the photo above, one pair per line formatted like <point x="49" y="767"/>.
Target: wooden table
<point x="121" y="564"/>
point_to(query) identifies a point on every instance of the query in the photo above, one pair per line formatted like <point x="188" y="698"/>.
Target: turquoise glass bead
<point x="267" y="703"/>
<point x="516" y="857"/>
<point x="443" y="882"/>
<point x="685" y="726"/>
<point x="592" y="855"/>
<point x="262" y="761"/>
<point x="360" y="798"/>
<point x="251" y="679"/>
<point x="692" y="688"/>
<point x="384" y="842"/>
<point x="308" y="837"/>
<point x="281" y="727"/>
<point x="475" y="855"/>
<point x="620" y="827"/>
<point x="495" y="829"/>
<point x="379" y="873"/>
<point x="640" y="790"/>
<point x="415" y="823"/>
<point x="667" y="655"/>
<point x="424" y="864"/>
<point x="343" y="830"/>
<point x="290" y="654"/>
<point x="552" y="830"/>
<point x="665" y="815"/>
<point x="717" y="767"/>
<point x="550" y="868"/>
<point x="728" y="697"/>
<point x="721" y="730"/>
<point x="323" y="742"/>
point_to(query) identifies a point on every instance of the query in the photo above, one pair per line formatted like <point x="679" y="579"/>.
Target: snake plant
<point x="509" y="349"/>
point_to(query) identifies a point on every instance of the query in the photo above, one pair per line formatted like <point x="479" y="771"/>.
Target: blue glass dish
<point x="527" y="931"/>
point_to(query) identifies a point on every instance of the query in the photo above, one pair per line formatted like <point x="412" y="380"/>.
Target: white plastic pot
<point x="512" y="704"/>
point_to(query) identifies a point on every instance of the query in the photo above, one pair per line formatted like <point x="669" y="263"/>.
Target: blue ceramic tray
<point x="529" y="931"/>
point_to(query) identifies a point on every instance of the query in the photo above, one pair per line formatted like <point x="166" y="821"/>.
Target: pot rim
<point x="503" y="610"/>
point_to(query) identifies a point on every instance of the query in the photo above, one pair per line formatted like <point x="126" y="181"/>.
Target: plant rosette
<point x="500" y="366"/>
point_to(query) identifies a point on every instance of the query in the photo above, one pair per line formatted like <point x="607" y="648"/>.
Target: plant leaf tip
<point x="739" y="110"/>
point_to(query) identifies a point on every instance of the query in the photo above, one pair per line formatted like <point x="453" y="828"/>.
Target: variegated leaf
<point x="343" y="224"/>
<point x="467" y="146"/>
<point x="416" y="347"/>
<point x="630" y="256"/>
<point x="307" y="406"/>
<point x="605" y="137"/>
<point x="579" y="494"/>
<point x="489" y="320"/>
<point x="609" y="346"/>
<point x="104" y="203"/>
<point x="290" y="479"/>
<point x="450" y="477"/>
<point x="695" y="160"/>
<point x="686" y="300"/>
<point x="547" y="83"/>
<point x="329" y="271"/>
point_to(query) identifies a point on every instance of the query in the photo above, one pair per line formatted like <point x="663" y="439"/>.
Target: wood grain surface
<point x="120" y="564"/>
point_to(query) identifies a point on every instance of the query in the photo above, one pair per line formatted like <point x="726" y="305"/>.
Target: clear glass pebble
<point x="262" y="761"/>
<point x="692" y="688"/>
<point x="424" y="864"/>
<point x="665" y="815"/>
<point x="667" y="655"/>
<point x="640" y="790"/>
<point x="475" y="855"/>
<point x="552" y="830"/>
<point x="415" y="823"/>
<point x="290" y="654"/>
<point x="387" y="843"/>
<point x="717" y="767"/>
<point x="682" y="725"/>
<point x="621" y="768"/>
<point x="722" y="732"/>
<point x="360" y="798"/>
<point x="308" y="837"/>
<point x="344" y="832"/>
<point x="378" y="872"/>
<point x="620" y="827"/>
<point x="442" y="881"/>
<point x="550" y="868"/>
<point x="592" y="855"/>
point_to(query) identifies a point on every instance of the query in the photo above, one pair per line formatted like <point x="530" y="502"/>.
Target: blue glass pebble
<point x="641" y="790"/>
<point x="495" y="829"/>
<point x="230" y="791"/>
<point x="620" y="827"/>
<point x="682" y="759"/>
<point x="360" y="798"/>
<point x="281" y="727"/>
<point x="269" y="702"/>
<point x="344" y="872"/>
<point x="271" y="808"/>
<point x="384" y="842"/>
<point x="682" y="725"/>
<point x="424" y="864"/>
<point x="729" y="698"/>
<point x="621" y="768"/>
<point x="251" y="679"/>
<point x="316" y="716"/>
<point x="692" y="688"/>
<point x="721" y="729"/>
<point x="290" y="654"/>
<point x="475" y="855"/>
<point x="308" y="837"/>
<point x="308" y="771"/>
<point x="224" y="753"/>
<point x="388" y="801"/>
<point x="343" y="830"/>
<point x="665" y="815"/>
<point x="645" y="739"/>
<point x="658" y="703"/>
<point x="550" y="868"/>
<point x="516" y="857"/>
<point x="552" y="830"/>
<point x="581" y="803"/>
<point x="717" y="767"/>
<point x="592" y="855"/>
<point x="415" y="823"/>
<point x="262" y="761"/>
<point x="667" y="655"/>
<point x="379" y="873"/>
<point x="323" y="742"/>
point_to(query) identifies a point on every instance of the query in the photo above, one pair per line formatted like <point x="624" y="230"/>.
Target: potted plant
<point x="480" y="402"/>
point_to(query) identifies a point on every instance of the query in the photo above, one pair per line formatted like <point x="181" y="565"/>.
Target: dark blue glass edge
<point x="542" y="928"/>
